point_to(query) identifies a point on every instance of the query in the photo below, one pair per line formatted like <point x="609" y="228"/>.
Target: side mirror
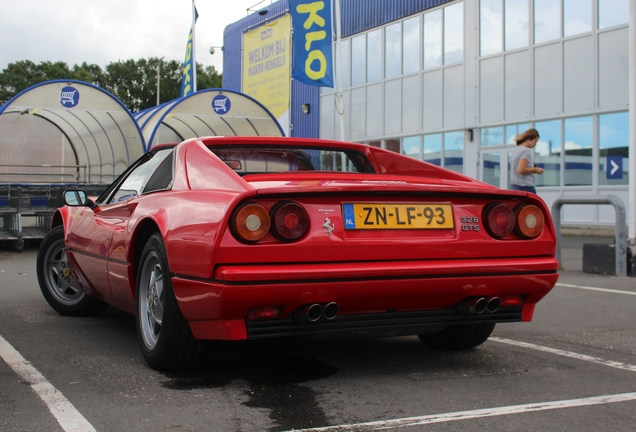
<point x="77" y="198"/>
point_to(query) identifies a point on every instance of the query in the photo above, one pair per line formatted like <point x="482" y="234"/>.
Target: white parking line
<point x="491" y="412"/>
<point x="481" y="413"/>
<point x="597" y="360"/>
<point x="64" y="412"/>
<point x="596" y="289"/>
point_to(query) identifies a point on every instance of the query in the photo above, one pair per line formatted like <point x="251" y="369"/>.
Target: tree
<point x="134" y="82"/>
<point x="170" y="82"/>
<point x="208" y="77"/>
<point x="24" y="74"/>
<point x="89" y="73"/>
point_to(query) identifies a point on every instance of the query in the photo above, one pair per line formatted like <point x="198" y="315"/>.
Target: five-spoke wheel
<point x="164" y="335"/>
<point x="58" y="285"/>
<point x="151" y="299"/>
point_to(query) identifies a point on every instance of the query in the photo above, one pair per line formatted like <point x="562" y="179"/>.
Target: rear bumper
<point x="378" y="296"/>
<point x="236" y="274"/>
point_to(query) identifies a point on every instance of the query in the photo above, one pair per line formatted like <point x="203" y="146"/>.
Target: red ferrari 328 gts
<point x="231" y="238"/>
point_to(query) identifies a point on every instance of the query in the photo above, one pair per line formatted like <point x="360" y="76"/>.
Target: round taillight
<point x="250" y="222"/>
<point x="499" y="220"/>
<point x="289" y="221"/>
<point x="530" y="221"/>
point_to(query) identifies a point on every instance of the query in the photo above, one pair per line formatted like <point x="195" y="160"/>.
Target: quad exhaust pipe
<point x="493" y="304"/>
<point x="479" y="305"/>
<point x="311" y="313"/>
<point x="314" y="312"/>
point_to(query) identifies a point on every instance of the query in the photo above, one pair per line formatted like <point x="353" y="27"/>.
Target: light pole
<point x="159" y="78"/>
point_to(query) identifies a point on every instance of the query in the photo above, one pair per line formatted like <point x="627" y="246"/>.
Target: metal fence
<point x="620" y="230"/>
<point x="26" y="209"/>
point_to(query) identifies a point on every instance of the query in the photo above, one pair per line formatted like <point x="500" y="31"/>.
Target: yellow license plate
<point x="397" y="216"/>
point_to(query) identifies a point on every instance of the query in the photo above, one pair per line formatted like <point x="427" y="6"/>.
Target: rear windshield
<point x="258" y="160"/>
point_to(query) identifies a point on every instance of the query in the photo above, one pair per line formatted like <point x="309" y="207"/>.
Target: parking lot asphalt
<point x="571" y="368"/>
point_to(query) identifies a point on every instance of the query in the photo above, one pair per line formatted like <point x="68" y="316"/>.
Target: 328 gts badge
<point x="469" y="223"/>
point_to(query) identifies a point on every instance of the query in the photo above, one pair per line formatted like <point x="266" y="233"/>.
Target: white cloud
<point x="571" y="145"/>
<point x="100" y="32"/>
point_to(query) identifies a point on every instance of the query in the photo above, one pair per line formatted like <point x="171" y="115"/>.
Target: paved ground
<point x="571" y="368"/>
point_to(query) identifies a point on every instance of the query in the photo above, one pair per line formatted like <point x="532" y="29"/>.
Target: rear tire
<point x="164" y="335"/>
<point x="58" y="285"/>
<point x="458" y="337"/>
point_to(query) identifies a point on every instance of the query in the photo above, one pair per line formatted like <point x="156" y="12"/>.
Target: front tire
<point x="164" y="335"/>
<point x="458" y="337"/>
<point x="57" y="283"/>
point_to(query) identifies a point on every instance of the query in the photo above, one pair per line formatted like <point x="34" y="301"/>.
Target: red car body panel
<point x="217" y="279"/>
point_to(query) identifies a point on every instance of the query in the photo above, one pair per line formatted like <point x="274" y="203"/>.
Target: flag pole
<point x="194" y="58"/>
<point x="338" y="94"/>
<point x="632" y="125"/>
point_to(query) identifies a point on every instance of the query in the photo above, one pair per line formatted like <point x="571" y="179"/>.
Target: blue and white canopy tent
<point x="208" y="112"/>
<point x="62" y="133"/>
<point x="66" y="131"/>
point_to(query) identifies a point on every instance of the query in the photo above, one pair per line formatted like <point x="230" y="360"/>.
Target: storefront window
<point x="612" y="12"/>
<point x="393" y="50"/>
<point x="432" y="151"/>
<point x="393" y="145"/>
<point x="547" y="20"/>
<point x="345" y="64"/>
<point x="513" y="130"/>
<point x="374" y="56"/>
<point x="411" y="146"/>
<point x="492" y="168"/>
<point x="577" y="17"/>
<point x="358" y="60"/>
<point x="547" y="153"/>
<point x="490" y="26"/>
<point x="433" y="39"/>
<point x="509" y="161"/>
<point x="491" y="136"/>
<point x="454" y="151"/>
<point x="411" y="46"/>
<point x="578" y="151"/>
<point x="454" y="33"/>
<point x="516" y="24"/>
<point x="613" y="146"/>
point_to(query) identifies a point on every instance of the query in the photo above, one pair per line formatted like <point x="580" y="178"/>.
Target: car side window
<point x="161" y="178"/>
<point x="134" y="183"/>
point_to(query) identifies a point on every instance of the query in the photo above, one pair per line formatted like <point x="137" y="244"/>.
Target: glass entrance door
<point x="495" y="167"/>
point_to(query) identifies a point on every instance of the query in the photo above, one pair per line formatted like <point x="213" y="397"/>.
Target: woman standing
<point x="523" y="168"/>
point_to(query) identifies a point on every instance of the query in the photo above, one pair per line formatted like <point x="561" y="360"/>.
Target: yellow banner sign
<point x="266" y="67"/>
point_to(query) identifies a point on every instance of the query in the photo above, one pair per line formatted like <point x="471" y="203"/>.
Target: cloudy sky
<point x="104" y="31"/>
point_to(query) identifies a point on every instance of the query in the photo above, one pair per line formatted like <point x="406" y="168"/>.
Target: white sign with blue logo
<point x="221" y="104"/>
<point x="614" y="169"/>
<point x="69" y="97"/>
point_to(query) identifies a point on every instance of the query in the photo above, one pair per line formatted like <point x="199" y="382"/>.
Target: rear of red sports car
<point x="231" y="238"/>
<point x="408" y="249"/>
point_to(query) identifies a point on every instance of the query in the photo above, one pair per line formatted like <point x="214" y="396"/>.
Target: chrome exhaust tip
<point x="475" y="305"/>
<point x="330" y="311"/>
<point x="493" y="305"/>
<point x="309" y="313"/>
